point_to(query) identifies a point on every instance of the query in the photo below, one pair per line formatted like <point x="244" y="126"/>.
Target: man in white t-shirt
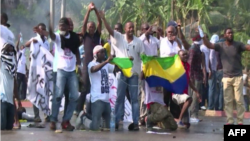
<point x="66" y="44"/>
<point x="206" y="52"/>
<point x="7" y="74"/>
<point x="98" y="70"/>
<point x="21" y="72"/>
<point x="42" y="40"/>
<point x="169" y="45"/>
<point x="151" y="47"/>
<point x="129" y="46"/>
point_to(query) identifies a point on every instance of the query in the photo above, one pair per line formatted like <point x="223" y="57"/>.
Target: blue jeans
<point x="212" y="91"/>
<point x="68" y="80"/>
<point x="100" y="109"/>
<point x="132" y="84"/>
<point x="219" y="102"/>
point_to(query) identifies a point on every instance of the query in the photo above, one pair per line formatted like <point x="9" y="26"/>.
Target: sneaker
<point x="67" y="126"/>
<point x="37" y="119"/>
<point x="136" y="127"/>
<point x="52" y="126"/>
<point x="194" y="120"/>
<point x="203" y="108"/>
<point x="133" y="127"/>
<point x="181" y="125"/>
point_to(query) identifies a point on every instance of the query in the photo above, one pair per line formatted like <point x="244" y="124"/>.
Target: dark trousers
<point x="82" y="98"/>
<point x="7" y="115"/>
<point x="204" y="93"/>
<point x="246" y="102"/>
<point x="21" y="85"/>
<point x="167" y="96"/>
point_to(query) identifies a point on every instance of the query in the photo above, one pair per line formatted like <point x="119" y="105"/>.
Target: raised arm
<point x="86" y="18"/>
<point x="110" y="30"/>
<point x="179" y="43"/>
<point x="99" y="66"/>
<point x="206" y="42"/>
<point x="99" y="24"/>
<point x="182" y="37"/>
<point x="51" y="31"/>
<point x="17" y="44"/>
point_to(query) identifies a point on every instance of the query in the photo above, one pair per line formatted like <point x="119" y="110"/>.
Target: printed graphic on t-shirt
<point x="67" y="54"/>
<point x="158" y="90"/>
<point x="104" y="81"/>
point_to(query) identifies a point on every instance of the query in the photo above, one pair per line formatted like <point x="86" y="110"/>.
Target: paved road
<point x="210" y="129"/>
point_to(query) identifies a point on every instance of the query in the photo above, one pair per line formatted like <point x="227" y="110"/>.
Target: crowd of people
<point x="213" y="68"/>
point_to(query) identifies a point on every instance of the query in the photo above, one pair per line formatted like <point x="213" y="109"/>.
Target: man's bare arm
<point x="110" y="30"/>
<point x="183" y="39"/>
<point x="206" y="42"/>
<point x="51" y="31"/>
<point x="85" y="21"/>
<point x="99" y="24"/>
<point x="17" y="44"/>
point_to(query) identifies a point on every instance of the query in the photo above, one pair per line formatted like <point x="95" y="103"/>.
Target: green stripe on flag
<point x="122" y="63"/>
<point x="165" y="62"/>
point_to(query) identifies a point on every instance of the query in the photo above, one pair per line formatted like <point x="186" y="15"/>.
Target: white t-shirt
<point x="7" y="36"/>
<point x="100" y="82"/>
<point x="66" y="57"/>
<point x="167" y="48"/>
<point x="123" y="49"/>
<point x="153" y="94"/>
<point x="206" y="51"/>
<point x="21" y="66"/>
<point x="150" y="47"/>
<point x="6" y="79"/>
<point x="55" y="60"/>
<point x="44" y="44"/>
<point x="244" y="87"/>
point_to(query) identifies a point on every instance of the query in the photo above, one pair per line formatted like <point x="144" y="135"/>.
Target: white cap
<point x="97" y="49"/>
<point x="214" y="39"/>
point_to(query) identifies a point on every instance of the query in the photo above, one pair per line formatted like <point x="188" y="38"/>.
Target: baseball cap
<point x="172" y="23"/>
<point x="97" y="49"/>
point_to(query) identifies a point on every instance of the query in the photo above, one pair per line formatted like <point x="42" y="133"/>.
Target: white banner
<point x="112" y="98"/>
<point x="40" y="81"/>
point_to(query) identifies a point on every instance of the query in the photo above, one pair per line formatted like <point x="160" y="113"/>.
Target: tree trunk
<point x="191" y="25"/>
<point x="172" y="9"/>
